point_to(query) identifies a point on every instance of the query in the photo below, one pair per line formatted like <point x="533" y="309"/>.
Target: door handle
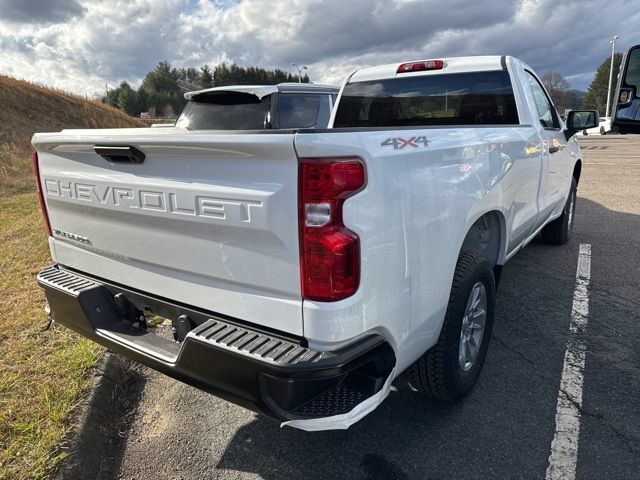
<point x="553" y="149"/>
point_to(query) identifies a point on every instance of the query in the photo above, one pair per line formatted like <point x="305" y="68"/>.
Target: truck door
<point x="626" y="105"/>
<point x="556" y="159"/>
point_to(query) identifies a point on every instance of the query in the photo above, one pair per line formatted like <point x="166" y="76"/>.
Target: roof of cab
<point x="451" y="65"/>
<point x="264" y="90"/>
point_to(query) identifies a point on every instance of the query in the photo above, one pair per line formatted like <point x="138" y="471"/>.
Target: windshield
<point x="445" y="99"/>
<point x="225" y="111"/>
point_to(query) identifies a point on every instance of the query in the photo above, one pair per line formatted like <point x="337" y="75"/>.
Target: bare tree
<point x="554" y="80"/>
<point x="557" y="87"/>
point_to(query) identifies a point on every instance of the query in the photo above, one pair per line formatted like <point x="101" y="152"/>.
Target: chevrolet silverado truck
<point x="304" y="269"/>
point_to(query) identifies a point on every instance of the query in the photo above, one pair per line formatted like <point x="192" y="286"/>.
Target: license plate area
<point x="168" y="321"/>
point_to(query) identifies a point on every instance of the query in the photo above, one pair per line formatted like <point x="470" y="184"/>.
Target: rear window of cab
<point x="474" y="98"/>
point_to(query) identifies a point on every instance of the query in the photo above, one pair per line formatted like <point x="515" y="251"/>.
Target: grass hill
<point x="26" y="108"/>
<point x="44" y="370"/>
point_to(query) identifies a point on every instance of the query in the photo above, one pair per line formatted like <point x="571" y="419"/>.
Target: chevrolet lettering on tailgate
<point x="160" y="201"/>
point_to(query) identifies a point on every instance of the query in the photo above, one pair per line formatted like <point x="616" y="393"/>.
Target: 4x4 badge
<point x="399" y="142"/>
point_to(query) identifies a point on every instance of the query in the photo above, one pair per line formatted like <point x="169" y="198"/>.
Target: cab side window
<point x="546" y="112"/>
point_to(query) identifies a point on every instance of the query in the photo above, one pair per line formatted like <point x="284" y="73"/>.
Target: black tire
<point x="438" y="372"/>
<point x="602" y="131"/>
<point x="559" y="231"/>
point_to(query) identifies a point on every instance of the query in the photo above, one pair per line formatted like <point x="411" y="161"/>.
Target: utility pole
<point x="300" y="68"/>
<point x="613" y="48"/>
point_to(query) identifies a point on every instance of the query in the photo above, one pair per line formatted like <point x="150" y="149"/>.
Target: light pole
<point x="613" y="48"/>
<point x="300" y="68"/>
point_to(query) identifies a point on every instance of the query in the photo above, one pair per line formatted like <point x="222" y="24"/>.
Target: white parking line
<point x="564" y="447"/>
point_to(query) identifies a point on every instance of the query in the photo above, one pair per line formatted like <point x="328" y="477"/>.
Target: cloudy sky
<point x="79" y="45"/>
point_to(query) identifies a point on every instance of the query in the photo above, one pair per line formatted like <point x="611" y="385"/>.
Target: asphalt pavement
<point x="503" y="429"/>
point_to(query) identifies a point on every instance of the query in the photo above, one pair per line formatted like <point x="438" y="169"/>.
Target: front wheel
<point x="450" y="369"/>
<point x="559" y="231"/>
<point x="602" y="131"/>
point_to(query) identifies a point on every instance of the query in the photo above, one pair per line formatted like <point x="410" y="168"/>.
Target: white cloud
<point x="79" y="45"/>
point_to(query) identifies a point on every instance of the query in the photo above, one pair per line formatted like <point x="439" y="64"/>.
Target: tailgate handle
<point x="120" y="154"/>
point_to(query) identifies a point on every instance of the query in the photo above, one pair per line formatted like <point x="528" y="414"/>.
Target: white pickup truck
<point x="305" y="269"/>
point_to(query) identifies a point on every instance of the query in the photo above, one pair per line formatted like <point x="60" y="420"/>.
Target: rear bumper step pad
<point x="267" y="372"/>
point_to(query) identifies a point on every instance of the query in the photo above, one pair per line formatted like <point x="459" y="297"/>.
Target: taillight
<point x="329" y="251"/>
<point x="43" y="207"/>
<point x="420" y="66"/>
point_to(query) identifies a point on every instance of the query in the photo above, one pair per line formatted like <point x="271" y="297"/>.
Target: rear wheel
<point x="602" y="131"/>
<point x="559" y="231"/>
<point x="450" y="369"/>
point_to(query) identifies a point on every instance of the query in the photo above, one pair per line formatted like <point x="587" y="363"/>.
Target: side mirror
<point x="580" y="120"/>
<point x="626" y="103"/>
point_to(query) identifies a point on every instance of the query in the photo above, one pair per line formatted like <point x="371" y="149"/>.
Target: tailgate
<point x="206" y="220"/>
